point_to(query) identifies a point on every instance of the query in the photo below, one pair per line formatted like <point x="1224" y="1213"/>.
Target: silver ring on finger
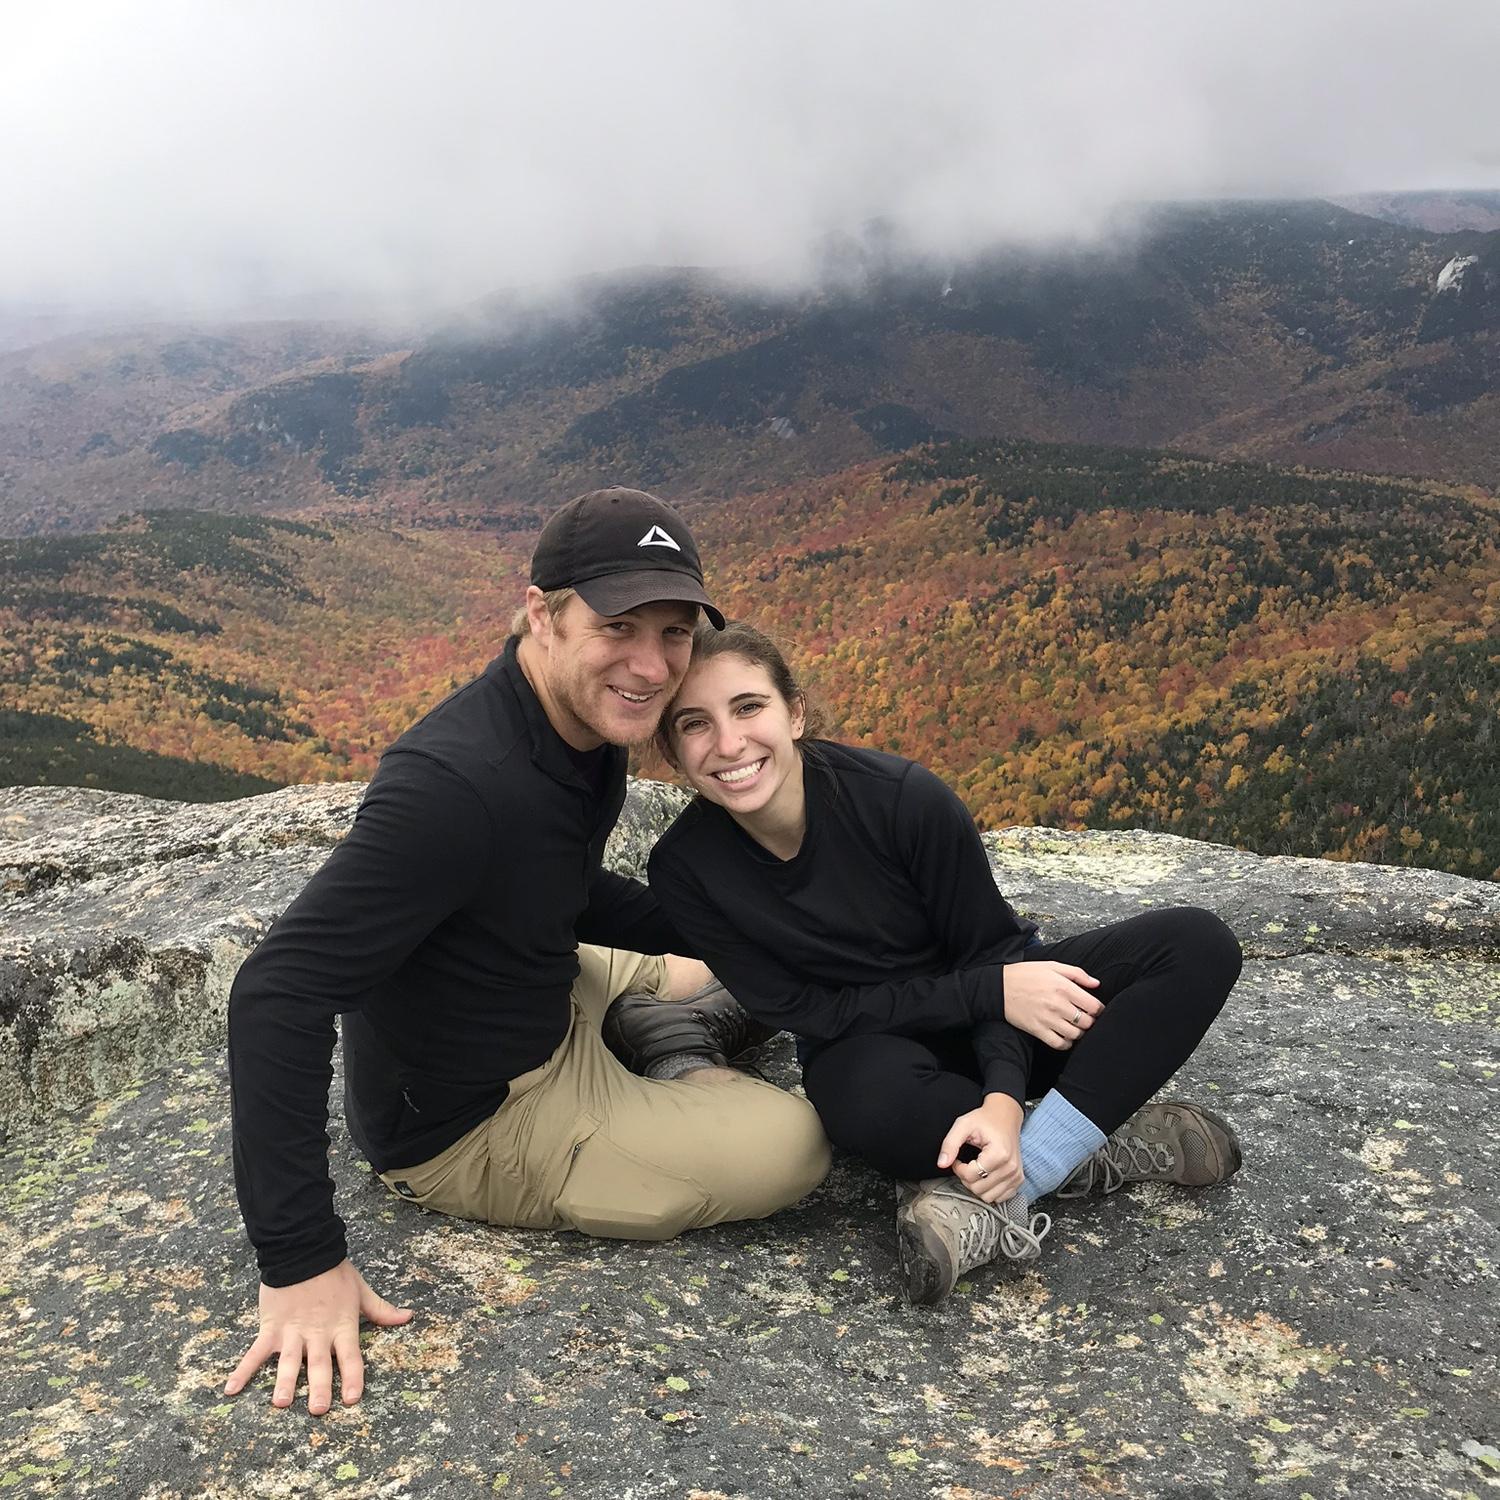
<point x="984" y="1171"/>
<point x="1076" y="1015"/>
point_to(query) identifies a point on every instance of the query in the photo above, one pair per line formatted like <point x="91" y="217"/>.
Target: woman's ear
<point x="799" y="717"/>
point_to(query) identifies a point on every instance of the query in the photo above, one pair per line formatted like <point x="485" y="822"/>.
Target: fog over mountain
<point x="349" y="158"/>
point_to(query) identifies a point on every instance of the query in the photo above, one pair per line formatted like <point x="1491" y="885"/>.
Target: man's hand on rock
<point x="316" y="1322"/>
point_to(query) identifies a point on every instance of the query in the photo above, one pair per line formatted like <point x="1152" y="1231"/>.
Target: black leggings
<point x="1163" y="977"/>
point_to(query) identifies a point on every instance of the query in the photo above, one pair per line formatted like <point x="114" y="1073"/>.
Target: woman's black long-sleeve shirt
<point x="444" y="929"/>
<point x="886" y="920"/>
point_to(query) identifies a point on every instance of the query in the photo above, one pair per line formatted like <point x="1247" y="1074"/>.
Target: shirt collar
<point x="548" y="750"/>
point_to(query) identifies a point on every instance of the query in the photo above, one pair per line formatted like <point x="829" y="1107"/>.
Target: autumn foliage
<point x="1291" y="661"/>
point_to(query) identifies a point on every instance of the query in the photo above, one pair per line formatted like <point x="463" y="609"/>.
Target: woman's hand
<point x="995" y="1128"/>
<point x="1049" y="1001"/>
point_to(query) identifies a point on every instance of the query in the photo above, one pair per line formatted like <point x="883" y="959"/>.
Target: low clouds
<point x="265" y="155"/>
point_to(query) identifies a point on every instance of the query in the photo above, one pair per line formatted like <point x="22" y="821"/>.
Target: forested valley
<point x="1286" y="660"/>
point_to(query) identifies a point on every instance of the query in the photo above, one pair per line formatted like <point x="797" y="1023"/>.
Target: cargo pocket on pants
<point x="527" y="1176"/>
<point x="616" y="1195"/>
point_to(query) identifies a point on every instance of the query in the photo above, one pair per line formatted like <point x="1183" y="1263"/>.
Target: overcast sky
<point x="230" y="155"/>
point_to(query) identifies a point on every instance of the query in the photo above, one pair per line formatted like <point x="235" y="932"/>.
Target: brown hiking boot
<point x="642" y="1030"/>
<point x="1168" y="1140"/>
<point x="943" y="1230"/>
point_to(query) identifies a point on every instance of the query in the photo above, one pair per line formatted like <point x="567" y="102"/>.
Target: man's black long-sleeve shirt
<point x="444" y="929"/>
<point x="886" y="920"/>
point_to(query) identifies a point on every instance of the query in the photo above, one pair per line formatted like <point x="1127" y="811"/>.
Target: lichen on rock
<point x="1322" y="1324"/>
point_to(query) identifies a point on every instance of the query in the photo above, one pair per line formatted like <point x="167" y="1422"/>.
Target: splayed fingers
<point x="316" y="1323"/>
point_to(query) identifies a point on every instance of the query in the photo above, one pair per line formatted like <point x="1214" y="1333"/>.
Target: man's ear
<point x="538" y="616"/>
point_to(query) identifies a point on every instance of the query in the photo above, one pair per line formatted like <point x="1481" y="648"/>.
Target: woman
<point x="844" y="895"/>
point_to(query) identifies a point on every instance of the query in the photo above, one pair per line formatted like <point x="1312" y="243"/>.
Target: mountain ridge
<point x="1288" y="332"/>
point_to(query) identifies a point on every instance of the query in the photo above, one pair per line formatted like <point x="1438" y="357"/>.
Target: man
<point x="446" y="930"/>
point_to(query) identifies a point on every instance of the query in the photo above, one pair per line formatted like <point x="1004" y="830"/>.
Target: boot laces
<point x="1023" y="1241"/>
<point x="1119" y="1160"/>
<point x="730" y="1028"/>
<point x="988" y="1228"/>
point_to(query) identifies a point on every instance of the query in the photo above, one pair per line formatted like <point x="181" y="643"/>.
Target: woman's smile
<point x="735" y="738"/>
<point x="740" y="776"/>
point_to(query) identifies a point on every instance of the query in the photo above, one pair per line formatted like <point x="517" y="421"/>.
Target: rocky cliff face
<point x="1322" y="1325"/>
<point x="126" y="919"/>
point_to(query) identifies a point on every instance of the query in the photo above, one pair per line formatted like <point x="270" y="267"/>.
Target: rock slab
<point x="126" y="919"/>
<point x="1324" y="1325"/>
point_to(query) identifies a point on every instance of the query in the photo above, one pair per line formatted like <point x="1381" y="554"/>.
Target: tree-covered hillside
<point x="1294" y="661"/>
<point x="263" y="647"/>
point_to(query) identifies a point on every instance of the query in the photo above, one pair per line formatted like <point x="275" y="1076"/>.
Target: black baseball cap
<point x="620" y="549"/>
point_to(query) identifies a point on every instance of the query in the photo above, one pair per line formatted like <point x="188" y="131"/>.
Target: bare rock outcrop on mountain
<point x="127" y="917"/>
<point x="1322" y="1325"/>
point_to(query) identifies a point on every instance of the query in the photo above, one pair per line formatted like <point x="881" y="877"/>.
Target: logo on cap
<point x="656" y="537"/>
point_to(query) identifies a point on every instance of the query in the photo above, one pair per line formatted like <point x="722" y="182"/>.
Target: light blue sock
<point x="1055" y="1139"/>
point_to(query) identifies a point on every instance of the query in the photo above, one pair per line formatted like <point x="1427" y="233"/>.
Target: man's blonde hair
<point x="554" y="599"/>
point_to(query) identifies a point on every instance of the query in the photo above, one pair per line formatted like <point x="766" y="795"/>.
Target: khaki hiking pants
<point x="580" y="1143"/>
